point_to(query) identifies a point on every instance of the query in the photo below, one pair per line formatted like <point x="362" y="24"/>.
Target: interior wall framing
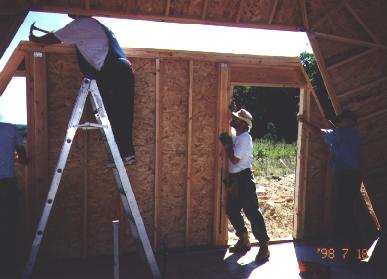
<point x="181" y="105"/>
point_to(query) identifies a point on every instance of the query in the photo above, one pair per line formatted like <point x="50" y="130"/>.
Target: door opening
<point x="274" y="134"/>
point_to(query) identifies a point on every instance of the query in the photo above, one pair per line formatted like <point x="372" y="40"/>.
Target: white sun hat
<point x="245" y="116"/>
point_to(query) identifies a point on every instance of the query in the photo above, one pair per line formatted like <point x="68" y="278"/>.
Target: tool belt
<point x="233" y="181"/>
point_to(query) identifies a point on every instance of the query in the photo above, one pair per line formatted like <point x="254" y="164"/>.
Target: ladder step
<point x="89" y="126"/>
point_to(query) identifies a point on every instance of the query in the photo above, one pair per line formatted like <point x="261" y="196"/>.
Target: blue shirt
<point x="9" y="139"/>
<point x="345" y="148"/>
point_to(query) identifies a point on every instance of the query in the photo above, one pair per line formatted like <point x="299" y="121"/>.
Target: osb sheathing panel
<point x="63" y="3"/>
<point x="142" y="175"/>
<point x="204" y="103"/>
<point x="174" y="82"/>
<point x="342" y="23"/>
<point x="149" y="7"/>
<point x="69" y="222"/>
<point x="367" y="101"/>
<point x="192" y="8"/>
<point x="373" y="13"/>
<point x="318" y="8"/>
<point x="256" y="11"/>
<point x="63" y="237"/>
<point x="120" y="5"/>
<point x="223" y="10"/>
<point x="318" y="201"/>
<point x="362" y="71"/>
<point x="334" y="52"/>
<point x="287" y="13"/>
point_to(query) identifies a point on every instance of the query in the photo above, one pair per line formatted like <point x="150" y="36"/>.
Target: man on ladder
<point x="100" y="57"/>
<point x="113" y="73"/>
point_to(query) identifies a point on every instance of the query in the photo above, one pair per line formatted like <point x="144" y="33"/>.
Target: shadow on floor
<point x="217" y="263"/>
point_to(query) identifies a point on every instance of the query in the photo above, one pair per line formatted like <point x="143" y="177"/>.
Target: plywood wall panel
<point x="192" y="8"/>
<point x="142" y="175"/>
<point x="174" y="81"/>
<point x="63" y="238"/>
<point x="205" y="86"/>
<point x="318" y="201"/>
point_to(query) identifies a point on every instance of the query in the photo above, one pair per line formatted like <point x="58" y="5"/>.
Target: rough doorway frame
<point x="232" y="75"/>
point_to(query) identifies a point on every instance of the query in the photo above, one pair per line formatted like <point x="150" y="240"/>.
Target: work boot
<point x="263" y="253"/>
<point x="242" y="246"/>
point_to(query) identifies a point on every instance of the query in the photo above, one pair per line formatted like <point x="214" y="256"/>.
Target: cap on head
<point x="346" y="114"/>
<point x="244" y="115"/>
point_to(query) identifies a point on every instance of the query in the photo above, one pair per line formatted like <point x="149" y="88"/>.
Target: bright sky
<point x="147" y="34"/>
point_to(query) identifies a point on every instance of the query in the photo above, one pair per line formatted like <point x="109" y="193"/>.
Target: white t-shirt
<point x="89" y="37"/>
<point x="243" y="149"/>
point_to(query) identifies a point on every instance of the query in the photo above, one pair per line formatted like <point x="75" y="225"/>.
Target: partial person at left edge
<point x="100" y="57"/>
<point x="10" y="141"/>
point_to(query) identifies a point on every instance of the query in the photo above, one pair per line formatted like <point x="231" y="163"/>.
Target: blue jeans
<point x="243" y="197"/>
<point x="116" y="83"/>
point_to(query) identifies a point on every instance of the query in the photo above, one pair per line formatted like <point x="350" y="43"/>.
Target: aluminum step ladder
<point x="89" y="87"/>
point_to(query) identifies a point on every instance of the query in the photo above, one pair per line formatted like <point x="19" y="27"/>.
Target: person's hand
<point x="300" y="117"/>
<point x="225" y="139"/>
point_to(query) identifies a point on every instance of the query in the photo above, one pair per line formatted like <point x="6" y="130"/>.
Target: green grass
<point x="268" y="156"/>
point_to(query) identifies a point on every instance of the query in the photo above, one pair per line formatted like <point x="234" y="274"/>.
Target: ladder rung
<point x="88" y="125"/>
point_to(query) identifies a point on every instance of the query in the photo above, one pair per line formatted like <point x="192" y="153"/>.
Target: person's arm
<point x="47" y="39"/>
<point x="310" y="126"/>
<point x="226" y="140"/>
<point x="22" y="154"/>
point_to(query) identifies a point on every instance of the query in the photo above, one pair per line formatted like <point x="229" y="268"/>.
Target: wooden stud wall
<point x="181" y="105"/>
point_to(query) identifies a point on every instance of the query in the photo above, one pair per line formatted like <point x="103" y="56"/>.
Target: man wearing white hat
<point x="241" y="186"/>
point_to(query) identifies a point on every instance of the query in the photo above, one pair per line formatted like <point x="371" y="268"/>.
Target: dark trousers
<point x="116" y="84"/>
<point x="347" y="184"/>
<point x="8" y="226"/>
<point x="243" y="197"/>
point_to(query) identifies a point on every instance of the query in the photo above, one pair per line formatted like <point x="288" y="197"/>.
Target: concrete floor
<point x="216" y="263"/>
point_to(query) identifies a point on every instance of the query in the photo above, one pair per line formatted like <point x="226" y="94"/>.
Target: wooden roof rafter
<point x="362" y="87"/>
<point x="87" y="4"/>
<point x="204" y="10"/>
<point x="129" y="14"/>
<point x="167" y="7"/>
<point x="239" y="11"/>
<point x="11" y="69"/>
<point x="351" y="58"/>
<point x="323" y="70"/>
<point x="273" y="10"/>
<point x="304" y="14"/>
<point x="361" y="22"/>
<point x="347" y="40"/>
